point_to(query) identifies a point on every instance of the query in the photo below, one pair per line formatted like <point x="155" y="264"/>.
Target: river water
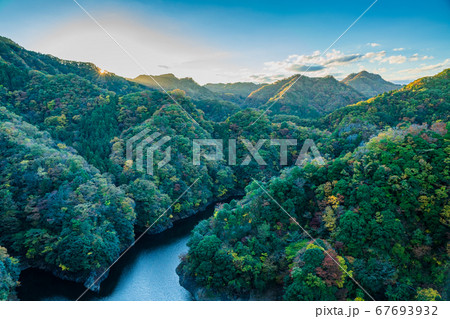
<point x="145" y="272"/>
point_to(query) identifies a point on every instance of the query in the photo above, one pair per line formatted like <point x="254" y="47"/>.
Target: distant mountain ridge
<point x="307" y="98"/>
<point x="369" y="84"/>
<point x="170" y="82"/>
<point x="14" y="58"/>
<point x="70" y="202"/>
<point x="304" y="96"/>
<point x="235" y="92"/>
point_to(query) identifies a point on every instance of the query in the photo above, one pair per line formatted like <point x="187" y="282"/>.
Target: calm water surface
<point x="145" y="272"/>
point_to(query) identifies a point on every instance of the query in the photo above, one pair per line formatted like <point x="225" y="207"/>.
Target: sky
<point x="231" y="41"/>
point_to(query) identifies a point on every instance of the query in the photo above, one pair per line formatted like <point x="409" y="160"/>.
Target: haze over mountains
<point x="296" y="95"/>
<point x="365" y="83"/>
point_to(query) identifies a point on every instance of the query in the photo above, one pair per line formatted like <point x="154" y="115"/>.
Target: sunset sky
<point x="229" y="41"/>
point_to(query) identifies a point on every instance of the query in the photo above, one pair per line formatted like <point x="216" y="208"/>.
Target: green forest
<point x="371" y="223"/>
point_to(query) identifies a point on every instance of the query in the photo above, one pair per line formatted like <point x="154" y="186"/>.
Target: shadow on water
<point x="145" y="272"/>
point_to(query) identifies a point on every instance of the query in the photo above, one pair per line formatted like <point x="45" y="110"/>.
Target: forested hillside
<point x="169" y="82"/>
<point x="54" y="197"/>
<point x="423" y="101"/>
<point x="303" y="96"/>
<point x="153" y="194"/>
<point x="70" y="201"/>
<point x="14" y="58"/>
<point x="378" y="211"/>
<point x="369" y="84"/>
<point x="9" y="275"/>
<point x="235" y="92"/>
<point x="379" y="215"/>
<point x="57" y="211"/>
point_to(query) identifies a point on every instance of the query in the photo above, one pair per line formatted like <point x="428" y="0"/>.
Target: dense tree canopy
<point x="377" y="210"/>
<point x="9" y="275"/>
<point x="56" y="210"/>
<point x="380" y="215"/>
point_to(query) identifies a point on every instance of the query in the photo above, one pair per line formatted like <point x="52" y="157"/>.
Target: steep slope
<point x="369" y="84"/>
<point x="235" y="92"/>
<point x="217" y="110"/>
<point x="154" y="193"/>
<point x="53" y="203"/>
<point x="307" y="98"/>
<point x="75" y="103"/>
<point x="14" y="57"/>
<point x="9" y="275"/>
<point x="170" y="82"/>
<point x="423" y="101"/>
<point x="79" y="112"/>
<point x="57" y="212"/>
<point x="381" y="213"/>
<point x="97" y="123"/>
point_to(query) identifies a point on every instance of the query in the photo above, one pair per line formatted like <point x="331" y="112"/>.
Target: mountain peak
<point x="369" y="84"/>
<point x="169" y="82"/>
<point x="307" y="97"/>
<point x="362" y="74"/>
<point x="169" y="75"/>
<point x="330" y="77"/>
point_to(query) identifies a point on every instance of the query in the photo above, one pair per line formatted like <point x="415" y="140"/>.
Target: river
<point x="145" y="272"/>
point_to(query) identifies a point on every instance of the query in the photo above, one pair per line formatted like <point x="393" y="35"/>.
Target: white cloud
<point x="375" y="56"/>
<point x="381" y="57"/>
<point x="426" y="68"/>
<point x="380" y="70"/>
<point x="314" y="64"/>
<point x="338" y="63"/>
<point x="399" y="49"/>
<point x="414" y="57"/>
<point x="373" y="44"/>
<point x="417" y="57"/>
<point x="395" y="59"/>
<point x="331" y="63"/>
<point x="423" y="70"/>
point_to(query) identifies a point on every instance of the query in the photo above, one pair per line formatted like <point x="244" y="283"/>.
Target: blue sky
<point x="228" y="41"/>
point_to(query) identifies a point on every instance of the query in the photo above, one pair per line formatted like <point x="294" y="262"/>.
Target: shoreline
<point x="87" y="279"/>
